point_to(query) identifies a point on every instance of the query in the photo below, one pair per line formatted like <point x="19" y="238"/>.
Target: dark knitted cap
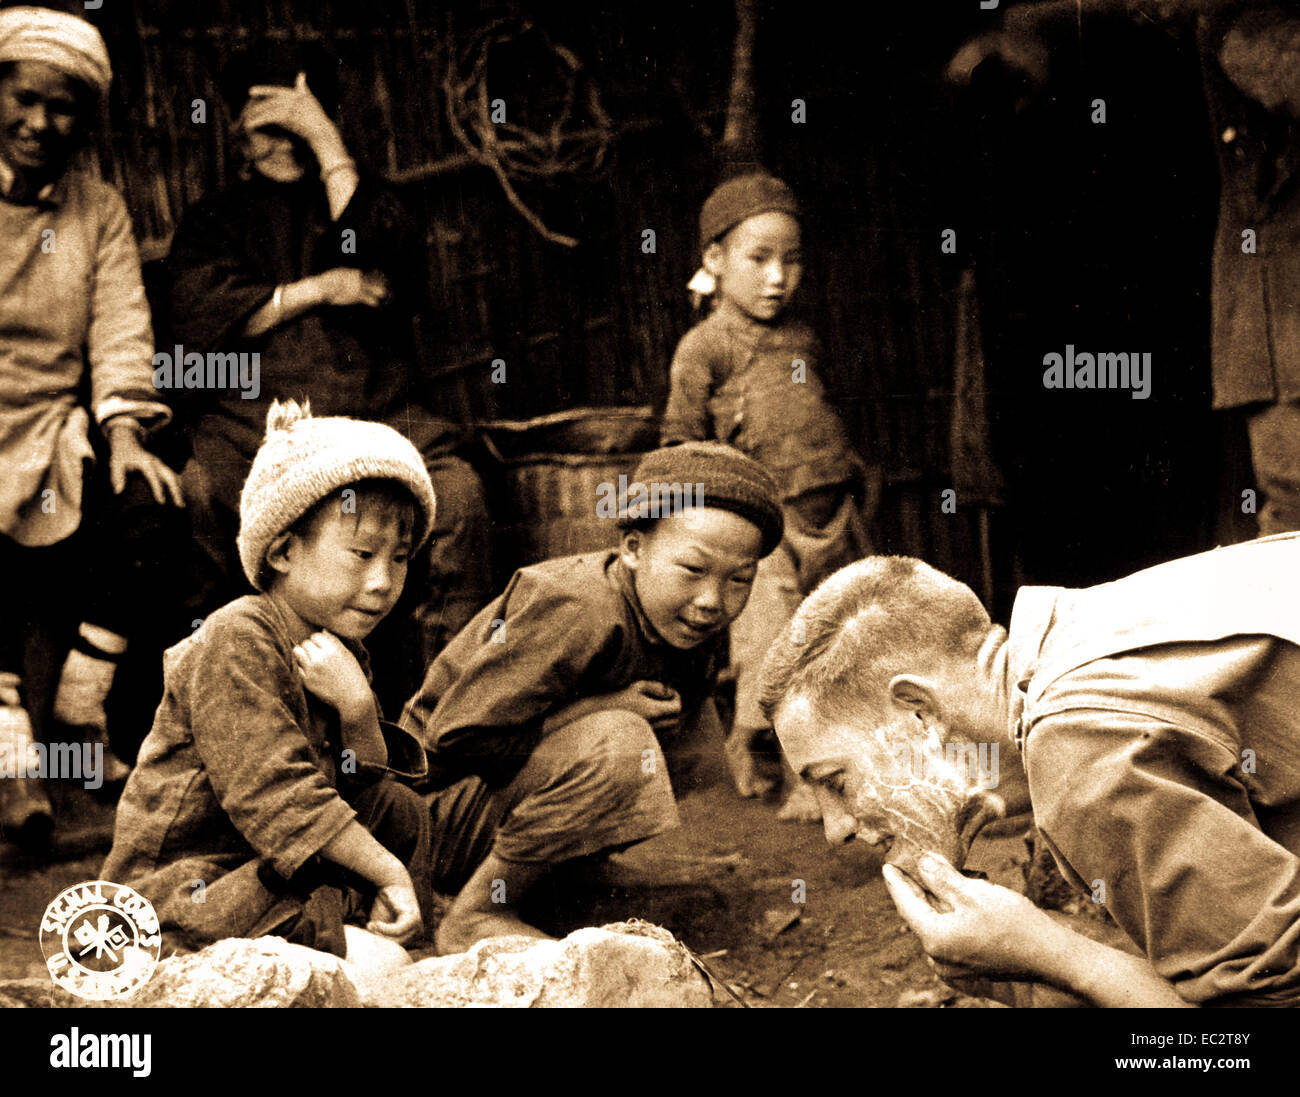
<point x="743" y="197"/>
<point x="731" y="482"/>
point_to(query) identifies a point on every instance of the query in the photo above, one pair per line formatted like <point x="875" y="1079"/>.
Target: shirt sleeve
<point x="254" y="753"/>
<point x="1159" y="815"/>
<point x="214" y="289"/>
<point x="512" y="669"/>
<point x="385" y="239"/>
<point x="686" y="416"/>
<point x="119" y="338"/>
<point x="406" y="756"/>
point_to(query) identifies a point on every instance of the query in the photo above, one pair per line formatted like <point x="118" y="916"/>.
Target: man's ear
<point x="629" y="549"/>
<point x="917" y="694"/>
<point x="277" y="553"/>
<point x="714" y="256"/>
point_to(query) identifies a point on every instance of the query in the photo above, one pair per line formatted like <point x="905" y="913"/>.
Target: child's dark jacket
<point x="755" y="387"/>
<point x="562" y="630"/>
<point x="242" y="768"/>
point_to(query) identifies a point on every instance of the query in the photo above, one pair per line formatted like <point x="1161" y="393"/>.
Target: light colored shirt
<point x="1159" y="718"/>
<point x="71" y="296"/>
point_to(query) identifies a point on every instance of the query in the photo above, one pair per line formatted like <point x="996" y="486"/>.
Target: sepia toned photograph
<point x="716" y="504"/>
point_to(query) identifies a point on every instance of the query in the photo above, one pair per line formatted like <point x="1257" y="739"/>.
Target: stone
<point x="627" y="964"/>
<point x="35" y="992"/>
<point x="623" y="965"/>
<point x="266" y="972"/>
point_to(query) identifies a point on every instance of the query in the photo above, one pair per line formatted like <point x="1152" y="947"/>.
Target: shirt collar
<point x="50" y="194"/>
<point x="1032" y="617"/>
<point x="624" y="584"/>
<point x="735" y="320"/>
<point x="297" y="631"/>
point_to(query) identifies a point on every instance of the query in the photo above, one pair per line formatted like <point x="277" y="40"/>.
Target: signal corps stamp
<point x="101" y="940"/>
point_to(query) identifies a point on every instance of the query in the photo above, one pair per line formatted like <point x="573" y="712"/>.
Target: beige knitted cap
<point x="303" y="459"/>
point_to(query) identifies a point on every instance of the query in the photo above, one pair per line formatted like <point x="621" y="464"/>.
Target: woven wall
<point x="597" y="324"/>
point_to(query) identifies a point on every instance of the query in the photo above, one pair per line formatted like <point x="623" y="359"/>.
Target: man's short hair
<point x="878" y="617"/>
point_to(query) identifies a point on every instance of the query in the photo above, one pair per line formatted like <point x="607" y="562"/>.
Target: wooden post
<point x="739" y="150"/>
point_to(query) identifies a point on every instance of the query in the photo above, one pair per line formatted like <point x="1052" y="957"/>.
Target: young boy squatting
<point x="746" y="376"/>
<point x="559" y="720"/>
<point x="268" y="774"/>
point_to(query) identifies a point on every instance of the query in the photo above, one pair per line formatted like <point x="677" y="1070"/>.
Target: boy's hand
<point x="333" y="674"/>
<point x="657" y="703"/>
<point x="395" y="913"/>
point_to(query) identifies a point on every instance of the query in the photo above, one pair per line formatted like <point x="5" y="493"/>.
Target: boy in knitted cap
<point x="264" y="799"/>
<point x="561" y="718"/>
<point x="746" y="376"/>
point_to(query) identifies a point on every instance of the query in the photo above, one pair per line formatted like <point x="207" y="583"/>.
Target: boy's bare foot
<point x="740" y="760"/>
<point x="486" y="906"/>
<point x="458" y="933"/>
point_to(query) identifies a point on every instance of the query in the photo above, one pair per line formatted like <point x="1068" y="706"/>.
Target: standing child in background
<point x="746" y="376"/>
<point x="268" y="777"/>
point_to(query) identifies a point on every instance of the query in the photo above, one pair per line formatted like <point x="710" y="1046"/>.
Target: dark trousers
<point x="1275" y="451"/>
<point x="597" y="784"/>
<point x="327" y="897"/>
<point x="311" y="907"/>
<point x="123" y="570"/>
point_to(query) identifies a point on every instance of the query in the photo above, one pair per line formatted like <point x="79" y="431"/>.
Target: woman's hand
<point x="299" y="112"/>
<point x="972" y="927"/>
<point x="349" y="286"/>
<point x="127" y="455"/>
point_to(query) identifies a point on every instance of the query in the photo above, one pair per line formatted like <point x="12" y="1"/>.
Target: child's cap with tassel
<point x="303" y="459"/>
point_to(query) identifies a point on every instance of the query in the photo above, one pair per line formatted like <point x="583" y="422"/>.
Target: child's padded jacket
<point x="562" y="630"/>
<point x="242" y="764"/>
<point x="755" y="386"/>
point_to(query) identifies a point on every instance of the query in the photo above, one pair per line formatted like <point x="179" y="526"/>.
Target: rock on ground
<point x="238" y="974"/>
<point x="623" y="965"/>
<point x="626" y="964"/>
<point x="233" y="974"/>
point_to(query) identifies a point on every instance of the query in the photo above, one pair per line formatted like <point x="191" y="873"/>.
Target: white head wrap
<point x="65" y="42"/>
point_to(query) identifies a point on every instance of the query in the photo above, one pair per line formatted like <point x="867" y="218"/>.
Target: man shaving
<point x="1152" y="724"/>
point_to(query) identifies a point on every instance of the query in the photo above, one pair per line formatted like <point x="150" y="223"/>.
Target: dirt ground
<point x="774" y="912"/>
